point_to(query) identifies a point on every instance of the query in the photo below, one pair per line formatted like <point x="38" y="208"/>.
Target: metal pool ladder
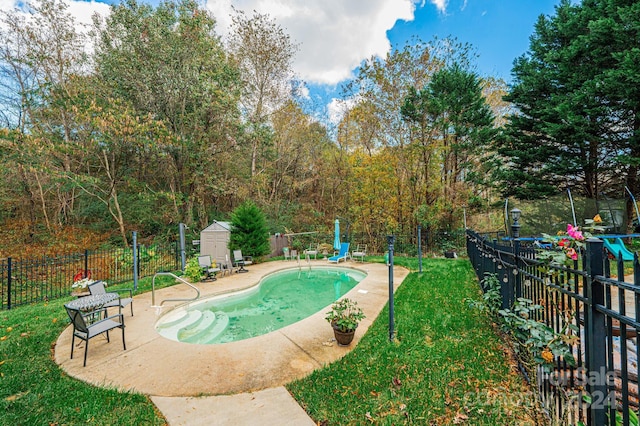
<point x="153" y="290"/>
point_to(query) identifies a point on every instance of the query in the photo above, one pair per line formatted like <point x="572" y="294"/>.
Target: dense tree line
<point x="149" y="119"/>
<point x="575" y="93"/>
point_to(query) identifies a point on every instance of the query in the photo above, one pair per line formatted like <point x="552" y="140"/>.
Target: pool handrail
<point x="153" y="290"/>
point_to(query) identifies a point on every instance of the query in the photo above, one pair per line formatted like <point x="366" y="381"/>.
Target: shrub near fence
<point x="603" y="310"/>
<point x="33" y="280"/>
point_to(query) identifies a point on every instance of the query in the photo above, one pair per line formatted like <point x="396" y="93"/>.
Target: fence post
<point x="501" y="271"/>
<point x="135" y="260"/>
<point x="507" y="285"/>
<point x="8" y="283"/>
<point x="419" y="248"/>
<point x="596" y="356"/>
<point x="390" y="241"/>
<point x="494" y="258"/>
<point x="516" y="271"/>
<point x="183" y="255"/>
<point x="86" y="264"/>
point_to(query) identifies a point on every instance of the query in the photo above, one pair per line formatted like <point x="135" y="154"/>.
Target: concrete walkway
<point x="238" y="383"/>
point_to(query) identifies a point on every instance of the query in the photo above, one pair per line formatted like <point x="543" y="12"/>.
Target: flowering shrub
<point x="565" y="246"/>
<point x="83" y="283"/>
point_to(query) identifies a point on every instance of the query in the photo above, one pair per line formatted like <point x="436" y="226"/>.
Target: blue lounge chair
<point x="342" y="255"/>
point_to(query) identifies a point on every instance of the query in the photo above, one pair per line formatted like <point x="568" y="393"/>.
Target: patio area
<point x="157" y="366"/>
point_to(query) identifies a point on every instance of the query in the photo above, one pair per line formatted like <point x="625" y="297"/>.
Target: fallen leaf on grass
<point x="16" y="396"/>
<point x="460" y="418"/>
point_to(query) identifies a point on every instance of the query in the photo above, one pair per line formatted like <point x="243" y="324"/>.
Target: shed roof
<point x="218" y="226"/>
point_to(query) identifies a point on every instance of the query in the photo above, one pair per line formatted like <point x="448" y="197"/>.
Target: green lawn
<point x="446" y="366"/>
<point x="34" y="391"/>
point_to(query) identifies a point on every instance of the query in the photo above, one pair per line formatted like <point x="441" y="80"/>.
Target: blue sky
<point x="499" y="30"/>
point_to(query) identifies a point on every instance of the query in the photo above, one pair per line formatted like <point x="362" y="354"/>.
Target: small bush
<point x="193" y="271"/>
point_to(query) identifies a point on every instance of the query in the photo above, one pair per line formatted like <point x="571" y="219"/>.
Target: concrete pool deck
<point x="241" y="375"/>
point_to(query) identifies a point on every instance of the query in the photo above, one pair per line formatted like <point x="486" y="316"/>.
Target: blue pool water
<point x="280" y="299"/>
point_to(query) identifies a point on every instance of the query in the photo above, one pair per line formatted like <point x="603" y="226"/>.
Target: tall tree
<point x="464" y="120"/>
<point x="42" y="50"/>
<point x="566" y="131"/>
<point x="453" y="123"/>
<point x="613" y="24"/>
<point x="167" y="62"/>
<point x="114" y="144"/>
<point x="264" y="53"/>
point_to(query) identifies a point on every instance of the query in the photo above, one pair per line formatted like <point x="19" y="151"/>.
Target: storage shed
<point x="214" y="241"/>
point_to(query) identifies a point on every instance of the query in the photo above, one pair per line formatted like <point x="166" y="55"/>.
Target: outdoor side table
<point x="92" y="304"/>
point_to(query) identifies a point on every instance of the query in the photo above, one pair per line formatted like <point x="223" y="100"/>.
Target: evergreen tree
<point x="614" y="25"/>
<point x="564" y="130"/>
<point x="249" y="230"/>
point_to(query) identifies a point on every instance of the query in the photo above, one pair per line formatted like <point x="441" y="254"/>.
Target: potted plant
<point x="79" y="287"/>
<point x="344" y="318"/>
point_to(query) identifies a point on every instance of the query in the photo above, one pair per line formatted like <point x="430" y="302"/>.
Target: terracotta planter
<point x="343" y="338"/>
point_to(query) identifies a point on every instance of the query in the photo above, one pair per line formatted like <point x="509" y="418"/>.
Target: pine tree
<point x="563" y="131"/>
<point x="249" y="230"/>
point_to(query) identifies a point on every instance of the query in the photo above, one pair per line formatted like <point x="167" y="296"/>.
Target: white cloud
<point x="441" y="5"/>
<point x="303" y="92"/>
<point x="335" y="36"/>
<point x="337" y="108"/>
<point x="7" y="5"/>
<point x="82" y="11"/>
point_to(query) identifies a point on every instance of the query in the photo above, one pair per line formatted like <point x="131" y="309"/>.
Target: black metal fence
<point x="597" y="304"/>
<point x="405" y="244"/>
<point x="26" y="281"/>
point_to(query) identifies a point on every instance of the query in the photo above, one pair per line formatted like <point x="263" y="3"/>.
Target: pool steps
<point x="195" y="326"/>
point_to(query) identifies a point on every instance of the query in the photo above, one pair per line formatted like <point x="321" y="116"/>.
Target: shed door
<point x="221" y="243"/>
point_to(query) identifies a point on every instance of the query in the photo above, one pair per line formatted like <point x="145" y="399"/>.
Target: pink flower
<point x="574" y="232"/>
<point x="572" y="254"/>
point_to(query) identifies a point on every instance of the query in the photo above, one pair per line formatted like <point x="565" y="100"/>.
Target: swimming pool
<point x="280" y="299"/>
